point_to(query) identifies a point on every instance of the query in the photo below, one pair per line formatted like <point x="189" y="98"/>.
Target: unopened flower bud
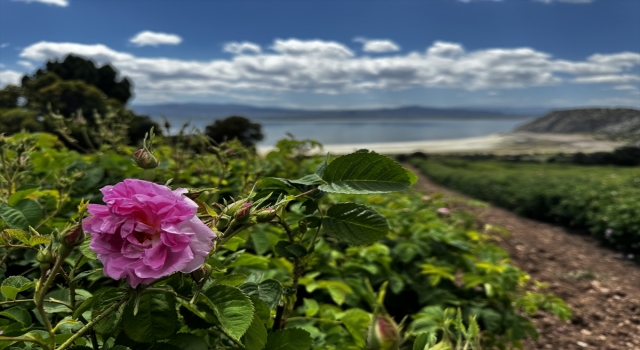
<point x="223" y="222"/>
<point x="71" y="239"/>
<point x="384" y="334"/>
<point x="266" y="215"/>
<point x="444" y="211"/>
<point x="234" y="207"/>
<point x="202" y="274"/>
<point x="229" y="152"/>
<point x="244" y="212"/>
<point x="145" y="159"/>
<point x="46" y="258"/>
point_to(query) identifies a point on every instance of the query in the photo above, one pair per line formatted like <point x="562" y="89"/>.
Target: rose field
<point x="187" y="243"/>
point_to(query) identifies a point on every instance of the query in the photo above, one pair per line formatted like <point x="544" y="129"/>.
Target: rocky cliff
<point x="612" y="121"/>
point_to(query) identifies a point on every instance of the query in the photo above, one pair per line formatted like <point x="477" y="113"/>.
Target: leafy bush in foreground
<point x="603" y="200"/>
<point x="300" y="259"/>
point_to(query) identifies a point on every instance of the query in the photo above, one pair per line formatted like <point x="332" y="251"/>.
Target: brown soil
<point x="601" y="286"/>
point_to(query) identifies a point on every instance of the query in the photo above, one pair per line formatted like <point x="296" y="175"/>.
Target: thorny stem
<point x="93" y="322"/>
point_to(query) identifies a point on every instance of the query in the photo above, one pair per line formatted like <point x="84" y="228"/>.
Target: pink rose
<point x="146" y="231"/>
<point x="444" y="211"/>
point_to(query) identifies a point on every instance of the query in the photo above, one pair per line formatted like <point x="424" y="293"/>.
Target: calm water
<point x="336" y="132"/>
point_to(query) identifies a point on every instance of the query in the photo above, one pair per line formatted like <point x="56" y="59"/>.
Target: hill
<point x="207" y="111"/>
<point x="611" y="121"/>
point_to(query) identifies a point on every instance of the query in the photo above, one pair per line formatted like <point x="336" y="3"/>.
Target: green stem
<point x="90" y="325"/>
<point x="25" y="339"/>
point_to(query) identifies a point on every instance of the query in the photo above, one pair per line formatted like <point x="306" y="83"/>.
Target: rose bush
<point x="147" y="231"/>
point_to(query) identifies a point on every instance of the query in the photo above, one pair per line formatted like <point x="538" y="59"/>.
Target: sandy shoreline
<point x="509" y="143"/>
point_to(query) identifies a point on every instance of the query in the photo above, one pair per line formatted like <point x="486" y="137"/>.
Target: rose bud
<point x="46" y="258"/>
<point x="71" y="239"/>
<point x="444" y="211"/>
<point x="202" y="273"/>
<point x="234" y="207"/>
<point x="302" y="226"/>
<point x="223" y="222"/>
<point x="244" y="213"/>
<point x="145" y="159"/>
<point x="266" y="215"/>
<point x="384" y="334"/>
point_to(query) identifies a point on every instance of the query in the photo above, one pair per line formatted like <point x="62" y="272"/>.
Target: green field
<point x="604" y="200"/>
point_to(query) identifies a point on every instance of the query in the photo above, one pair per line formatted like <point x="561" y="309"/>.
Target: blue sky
<point x="337" y="54"/>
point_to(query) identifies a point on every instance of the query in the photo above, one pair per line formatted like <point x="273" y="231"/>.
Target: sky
<point x="342" y="54"/>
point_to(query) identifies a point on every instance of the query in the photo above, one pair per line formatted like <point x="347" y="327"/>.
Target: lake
<point x="350" y="132"/>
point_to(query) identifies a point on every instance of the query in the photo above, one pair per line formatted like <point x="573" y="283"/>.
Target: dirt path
<point x="601" y="286"/>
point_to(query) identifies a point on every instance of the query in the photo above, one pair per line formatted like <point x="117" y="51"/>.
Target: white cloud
<point x="242" y="48"/>
<point x="148" y="38"/>
<point x="3" y="45"/>
<point x="328" y="67"/>
<point x="627" y="87"/>
<point x="26" y="64"/>
<point x="377" y="45"/>
<point x="295" y="47"/>
<point x="61" y="3"/>
<point x="10" y="77"/>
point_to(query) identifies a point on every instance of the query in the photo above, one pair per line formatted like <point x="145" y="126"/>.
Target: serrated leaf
<point x="86" y="250"/>
<point x="364" y="172"/>
<point x="289" y="339"/>
<point x="355" y="224"/>
<point x="270" y="291"/>
<point x="156" y="318"/>
<point x="14" y="285"/>
<point x="20" y="195"/>
<point x="37" y="240"/>
<point x="233" y="309"/>
<point x="256" y="336"/>
<point x="24" y="214"/>
<point x="20" y="235"/>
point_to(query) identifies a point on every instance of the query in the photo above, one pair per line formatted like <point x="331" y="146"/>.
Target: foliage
<point x="235" y="127"/>
<point x="293" y="267"/>
<point x="603" y="200"/>
<point x="76" y="91"/>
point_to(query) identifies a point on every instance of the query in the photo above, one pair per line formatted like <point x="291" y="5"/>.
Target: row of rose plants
<point x="601" y="199"/>
<point x="194" y="245"/>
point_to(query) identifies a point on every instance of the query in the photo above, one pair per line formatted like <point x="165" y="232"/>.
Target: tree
<point x="235" y="127"/>
<point x="15" y="120"/>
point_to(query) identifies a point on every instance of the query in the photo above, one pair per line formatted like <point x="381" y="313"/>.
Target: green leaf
<point x="322" y="166"/>
<point x="232" y="307"/>
<point x="355" y="224"/>
<point x="37" y="240"/>
<point x="24" y="214"/>
<point x="14" y="285"/>
<point x="20" y="235"/>
<point x="156" y="318"/>
<point x="309" y="206"/>
<point x="102" y="301"/>
<point x="20" y="195"/>
<point x="234" y="279"/>
<point x="364" y="172"/>
<point x="256" y="336"/>
<point x="289" y="339"/>
<point x="18" y="314"/>
<point x="424" y="341"/>
<point x="270" y="291"/>
<point x="357" y="322"/>
<point x="186" y="341"/>
<point x="311" y="307"/>
<point x="86" y="250"/>
<point x="290" y="250"/>
<point x="262" y="309"/>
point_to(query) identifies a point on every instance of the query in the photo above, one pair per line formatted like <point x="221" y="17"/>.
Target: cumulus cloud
<point x="9" y="77"/>
<point x="242" y="48"/>
<point x="328" y="67"/>
<point x="61" y="3"/>
<point x="377" y="45"/>
<point x="26" y="64"/>
<point x="148" y="38"/>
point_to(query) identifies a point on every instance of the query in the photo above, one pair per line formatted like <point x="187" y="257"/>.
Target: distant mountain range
<point x="200" y="112"/>
<point x="611" y="121"/>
